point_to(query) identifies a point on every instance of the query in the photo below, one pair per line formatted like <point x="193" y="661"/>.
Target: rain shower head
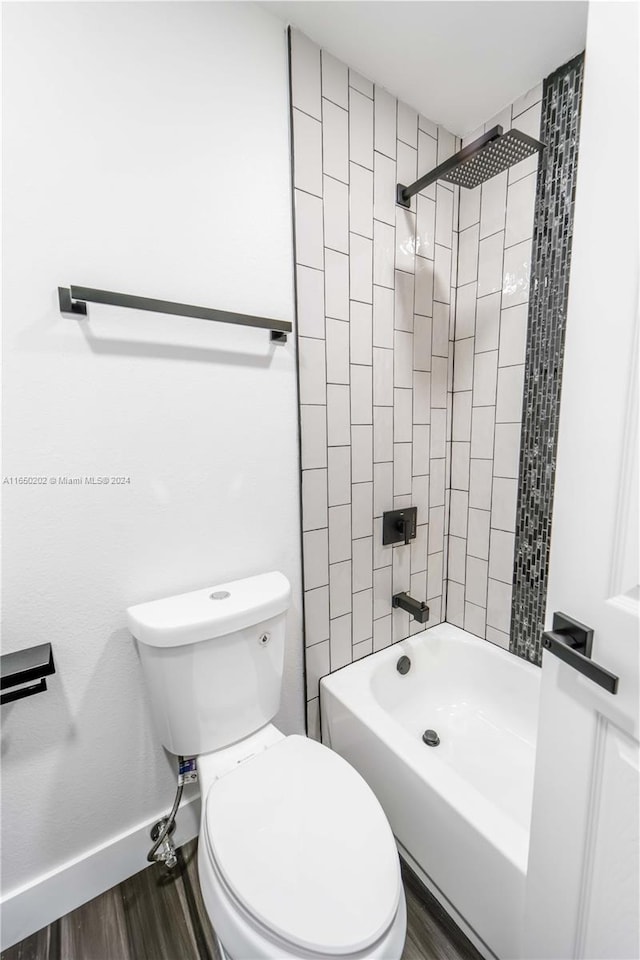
<point x="487" y="156"/>
<point x="492" y="158"/>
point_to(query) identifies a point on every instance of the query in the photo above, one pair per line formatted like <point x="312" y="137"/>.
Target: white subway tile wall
<point x="375" y="340"/>
<point x="496" y="226"/>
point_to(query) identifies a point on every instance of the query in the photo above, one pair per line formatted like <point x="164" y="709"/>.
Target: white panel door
<point x="582" y="889"/>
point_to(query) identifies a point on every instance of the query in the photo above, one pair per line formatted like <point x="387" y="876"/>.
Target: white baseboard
<point x="52" y="895"/>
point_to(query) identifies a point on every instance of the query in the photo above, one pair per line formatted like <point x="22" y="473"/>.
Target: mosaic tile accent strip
<point x="551" y="257"/>
<point x="375" y="295"/>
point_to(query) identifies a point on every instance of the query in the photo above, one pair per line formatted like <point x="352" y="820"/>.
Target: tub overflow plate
<point x="431" y="738"/>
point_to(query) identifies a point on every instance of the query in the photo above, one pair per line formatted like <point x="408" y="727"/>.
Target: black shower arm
<point x="404" y="194"/>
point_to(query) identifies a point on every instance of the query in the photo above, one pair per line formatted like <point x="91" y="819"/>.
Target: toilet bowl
<point x="296" y="858"/>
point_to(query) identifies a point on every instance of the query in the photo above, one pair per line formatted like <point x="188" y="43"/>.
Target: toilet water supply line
<point x="187" y="773"/>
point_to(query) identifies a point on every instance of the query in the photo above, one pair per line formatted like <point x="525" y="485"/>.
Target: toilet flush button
<point x="219" y="595"/>
<point x="264" y="639"/>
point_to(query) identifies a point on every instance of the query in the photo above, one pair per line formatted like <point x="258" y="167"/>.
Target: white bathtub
<point x="461" y="810"/>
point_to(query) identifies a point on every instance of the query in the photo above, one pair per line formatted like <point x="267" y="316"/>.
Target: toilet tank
<point x="213" y="660"/>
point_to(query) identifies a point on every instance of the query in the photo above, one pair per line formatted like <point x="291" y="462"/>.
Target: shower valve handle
<point x="399" y="526"/>
<point x="405" y="526"/>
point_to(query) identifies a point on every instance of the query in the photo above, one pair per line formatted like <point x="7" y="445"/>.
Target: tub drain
<point x="431" y="738"/>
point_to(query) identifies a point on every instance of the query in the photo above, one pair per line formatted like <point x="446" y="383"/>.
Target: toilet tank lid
<point x="212" y="612"/>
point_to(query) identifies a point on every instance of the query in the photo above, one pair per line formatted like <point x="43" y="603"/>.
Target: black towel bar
<point x="74" y="300"/>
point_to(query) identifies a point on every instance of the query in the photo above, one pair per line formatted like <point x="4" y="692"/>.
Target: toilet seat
<point x="302" y="844"/>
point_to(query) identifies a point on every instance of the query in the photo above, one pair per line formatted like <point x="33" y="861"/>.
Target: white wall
<point x="146" y="151"/>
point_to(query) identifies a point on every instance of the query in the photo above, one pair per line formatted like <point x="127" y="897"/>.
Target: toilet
<point x="296" y="858"/>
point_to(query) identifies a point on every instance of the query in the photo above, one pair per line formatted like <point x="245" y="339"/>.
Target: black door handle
<point x="571" y="642"/>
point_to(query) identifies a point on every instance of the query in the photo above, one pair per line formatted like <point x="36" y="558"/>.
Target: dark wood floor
<point x="157" y="915"/>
